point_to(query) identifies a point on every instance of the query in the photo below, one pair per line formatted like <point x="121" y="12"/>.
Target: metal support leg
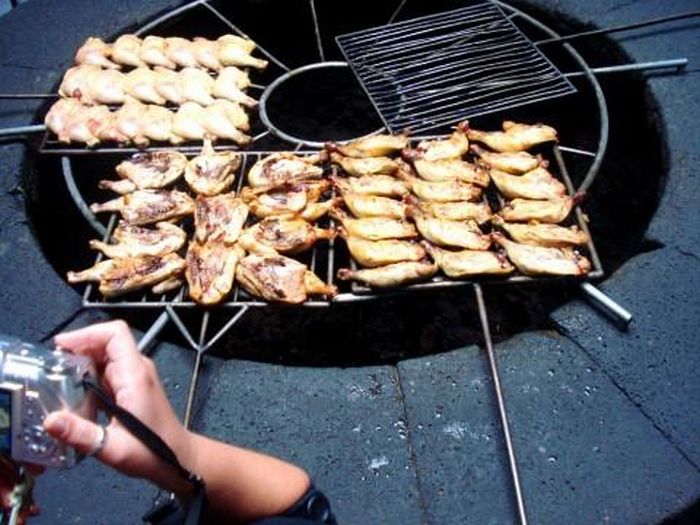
<point x="501" y="404"/>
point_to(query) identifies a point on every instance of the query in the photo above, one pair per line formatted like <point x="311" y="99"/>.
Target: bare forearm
<point x="242" y="484"/>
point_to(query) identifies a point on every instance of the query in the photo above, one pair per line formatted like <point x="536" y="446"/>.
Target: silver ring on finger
<point x="99" y="442"/>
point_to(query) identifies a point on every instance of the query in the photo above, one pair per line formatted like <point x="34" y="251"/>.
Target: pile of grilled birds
<point x="202" y="82"/>
<point x="405" y="213"/>
<point x="245" y="238"/>
<point x="414" y="211"/>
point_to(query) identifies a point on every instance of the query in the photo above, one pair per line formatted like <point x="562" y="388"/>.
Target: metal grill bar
<point x="433" y="71"/>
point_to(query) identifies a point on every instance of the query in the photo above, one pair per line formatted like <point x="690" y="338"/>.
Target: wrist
<point x="182" y="444"/>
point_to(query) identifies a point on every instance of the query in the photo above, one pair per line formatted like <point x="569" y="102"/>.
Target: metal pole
<point x="22" y="130"/>
<point x="678" y="63"/>
<point x="505" y="425"/>
<point x="613" y="310"/>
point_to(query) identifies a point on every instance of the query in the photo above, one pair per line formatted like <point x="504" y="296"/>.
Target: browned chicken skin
<point x="133" y="241"/>
<point x="396" y="274"/>
<point x="120" y="276"/>
<point x="385" y="185"/>
<point x="550" y="235"/>
<point x="453" y="147"/>
<point x="280" y="279"/>
<point x="219" y="218"/>
<point x="358" y="167"/>
<point x="551" y="211"/>
<point x="284" y="168"/>
<point x="442" y="191"/>
<point x="514" y="137"/>
<point x="275" y="235"/>
<point x="374" y="206"/>
<point x="460" y="234"/>
<point x="148" y="206"/>
<point x="371" y="146"/>
<point x="378" y="253"/>
<point x="288" y="199"/>
<point x="150" y="170"/>
<point x="510" y="162"/>
<point x="451" y="169"/>
<point x="375" y="228"/>
<point x="210" y="173"/>
<point x="454" y="211"/>
<point x="537" y="260"/>
<point x="535" y="184"/>
<point x="211" y="268"/>
<point x="467" y="263"/>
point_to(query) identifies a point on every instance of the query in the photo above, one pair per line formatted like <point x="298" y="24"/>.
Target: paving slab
<point x="586" y="453"/>
<point x="345" y="426"/>
<point x="456" y="438"/>
<point x="656" y="360"/>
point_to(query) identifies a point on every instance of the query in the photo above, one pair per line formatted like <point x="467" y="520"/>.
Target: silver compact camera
<point x="35" y="381"/>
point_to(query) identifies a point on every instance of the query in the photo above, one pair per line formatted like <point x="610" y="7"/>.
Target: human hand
<point x="132" y="380"/>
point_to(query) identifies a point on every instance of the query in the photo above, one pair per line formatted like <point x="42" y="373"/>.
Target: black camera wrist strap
<point x="159" y="447"/>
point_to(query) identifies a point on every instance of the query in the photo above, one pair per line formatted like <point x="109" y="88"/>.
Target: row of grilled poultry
<point x="166" y="71"/>
<point x="390" y="196"/>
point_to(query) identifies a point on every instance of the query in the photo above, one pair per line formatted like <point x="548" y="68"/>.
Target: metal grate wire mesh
<point x="433" y="71"/>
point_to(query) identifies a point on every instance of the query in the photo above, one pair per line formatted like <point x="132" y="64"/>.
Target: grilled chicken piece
<point x="358" y="167"/>
<point x="169" y="85"/>
<point x="219" y="218"/>
<point x="548" y="235"/>
<point x="206" y="53"/>
<point x="451" y="169"/>
<point x="371" y="146"/>
<point x="454" y="211"/>
<point x="442" y="191"/>
<point x="196" y="85"/>
<point x="73" y="122"/>
<point x="453" y="147"/>
<point x="140" y="83"/>
<point x="148" y="206"/>
<point x="152" y="52"/>
<point x="315" y="210"/>
<point x="180" y="51"/>
<point x="211" y="269"/>
<point x="378" y="253"/>
<point x="126" y="50"/>
<point x="93" y="85"/>
<point x="223" y="119"/>
<point x="514" y="137"/>
<point x="286" y="235"/>
<point x="280" y="279"/>
<point x="95" y="52"/>
<point x="537" y="260"/>
<point x="371" y="185"/>
<point x="233" y="50"/>
<point x="120" y="276"/>
<point x="551" y="211"/>
<point x="133" y="241"/>
<point x="511" y="162"/>
<point x="374" y="206"/>
<point x="535" y="184"/>
<point x="286" y="199"/>
<point x="466" y="263"/>
<point x="230" y="83"/>
<point x="151" y="170"/>
<point x="395" y="274"/>
<point x="460" y="234"/>
<point x="210" y="172"/>
<point x="374" y="228"/>
<point x="168" y="285"/>
<point x="283" y="168"/>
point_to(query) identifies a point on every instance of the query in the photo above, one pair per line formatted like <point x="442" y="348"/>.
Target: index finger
<point x="104" y="342"/>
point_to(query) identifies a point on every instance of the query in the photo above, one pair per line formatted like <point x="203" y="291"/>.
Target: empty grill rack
<point x="434" y="71"/>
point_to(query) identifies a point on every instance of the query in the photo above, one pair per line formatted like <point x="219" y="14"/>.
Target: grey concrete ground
<point x="605" y="422"/>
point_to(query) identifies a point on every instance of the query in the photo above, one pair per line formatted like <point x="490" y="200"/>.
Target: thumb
<point x="74" y="430"/>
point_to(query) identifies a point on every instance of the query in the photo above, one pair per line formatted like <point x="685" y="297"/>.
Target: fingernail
<point x="55" y="424"/>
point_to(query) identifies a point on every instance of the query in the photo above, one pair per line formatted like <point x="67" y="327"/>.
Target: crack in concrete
<point x="412" y="458"/>
<point x="692" y="255"/>
<point x="29" y="67"/>
<point x="649" y="417"/>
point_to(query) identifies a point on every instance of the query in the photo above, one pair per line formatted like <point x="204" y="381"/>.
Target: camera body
<point x="35" y="381"/>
